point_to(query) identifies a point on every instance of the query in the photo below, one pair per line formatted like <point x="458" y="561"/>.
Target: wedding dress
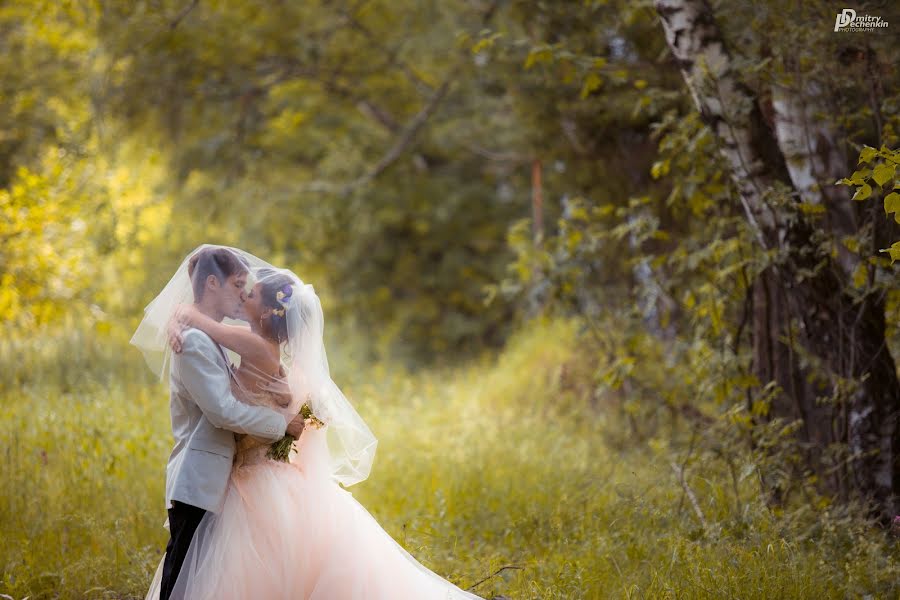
<point x="289" y="531"/>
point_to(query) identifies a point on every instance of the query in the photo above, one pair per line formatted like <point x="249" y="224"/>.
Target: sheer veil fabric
<point x="350" y="442"/>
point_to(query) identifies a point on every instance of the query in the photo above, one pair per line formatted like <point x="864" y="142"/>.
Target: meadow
<point x="497" y="475"/>
<point x="614" y="283"/>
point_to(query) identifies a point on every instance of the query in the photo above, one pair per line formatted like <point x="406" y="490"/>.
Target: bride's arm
<point x="247" y="344"/>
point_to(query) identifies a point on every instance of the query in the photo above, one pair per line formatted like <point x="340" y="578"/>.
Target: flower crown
<point x="283" y="296"/>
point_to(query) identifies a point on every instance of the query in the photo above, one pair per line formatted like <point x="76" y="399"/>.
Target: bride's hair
<point x="273" y="283"/>
<point x="220" y="262"/>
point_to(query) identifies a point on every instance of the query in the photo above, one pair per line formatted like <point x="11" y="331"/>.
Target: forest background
<point x="611" y="281"/>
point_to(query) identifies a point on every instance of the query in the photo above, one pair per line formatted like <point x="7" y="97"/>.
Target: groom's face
<point x="232" y="296"/>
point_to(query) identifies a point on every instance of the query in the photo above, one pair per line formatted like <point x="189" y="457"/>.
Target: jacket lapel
<point x="228" y="364"/>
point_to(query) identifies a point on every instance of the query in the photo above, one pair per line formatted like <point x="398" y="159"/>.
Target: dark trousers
<point x="183" y="522"/>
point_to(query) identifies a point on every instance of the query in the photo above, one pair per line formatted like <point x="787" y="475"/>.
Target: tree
<point x="334" y="133"/>
<point x="803" y="314"/>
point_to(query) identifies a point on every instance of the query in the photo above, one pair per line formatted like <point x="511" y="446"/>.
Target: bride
<point x="287" y="529"/>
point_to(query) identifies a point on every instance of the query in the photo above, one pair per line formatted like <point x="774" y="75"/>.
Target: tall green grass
<point x="496" y="466"/>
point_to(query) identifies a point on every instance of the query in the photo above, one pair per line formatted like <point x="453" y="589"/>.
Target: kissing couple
<point x="253" y="484"/>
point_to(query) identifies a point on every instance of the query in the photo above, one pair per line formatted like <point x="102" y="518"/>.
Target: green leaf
<point x="867" y="154"/>
<point x="864" y="191"/>
<point x="538" y="55"/>
<point x="891" y="203"/>
<point x="809" y="208"/>
<point x="851" y="243"/>
<point x="860" y="275"/>
<point x="659" y="169"/>
<point x="859" y="177"/>
<point x="486" y="43"/>
<point x="883" y="173"/>
<point x="482" y="45"/>
<point x="591" y="83"/>
<point x="894" y="251"/>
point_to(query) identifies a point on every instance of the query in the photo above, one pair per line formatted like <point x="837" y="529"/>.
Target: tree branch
<point x="409" y="132"/>
<point x="494" y="574"/>
<point x="679" y="472"/>
<point x="184" y="13"/>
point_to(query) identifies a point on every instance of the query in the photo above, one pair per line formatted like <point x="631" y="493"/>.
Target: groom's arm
<point x="208" y="383"/>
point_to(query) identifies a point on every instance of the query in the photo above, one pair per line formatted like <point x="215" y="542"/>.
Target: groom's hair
<point x="220" y="262"/>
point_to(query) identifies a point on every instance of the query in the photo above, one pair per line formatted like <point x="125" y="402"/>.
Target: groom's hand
<point x="295" y="427"/>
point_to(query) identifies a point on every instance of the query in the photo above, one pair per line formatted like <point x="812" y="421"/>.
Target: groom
<point x="205" y="415"/>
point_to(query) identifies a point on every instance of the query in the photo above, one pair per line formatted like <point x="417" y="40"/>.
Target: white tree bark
<point x="813" y="157"/>
<point x="724" y="102"/>
<point x="806" y="141"/>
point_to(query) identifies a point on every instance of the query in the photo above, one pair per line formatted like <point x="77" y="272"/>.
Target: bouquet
<point x="281" y="450"/>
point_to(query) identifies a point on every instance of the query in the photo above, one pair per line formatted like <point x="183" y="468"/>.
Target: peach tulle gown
<point x="288" y="530"/>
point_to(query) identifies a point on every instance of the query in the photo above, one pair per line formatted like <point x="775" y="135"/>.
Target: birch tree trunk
<point x="814" y="157"/>
<point x="800" y="304"/>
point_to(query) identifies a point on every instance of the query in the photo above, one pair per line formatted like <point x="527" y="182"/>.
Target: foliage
<point x="289" y="118"/>
<point x="877" y="179"/>
<point x="662" y="275"/>
<point x="153" y="106"/>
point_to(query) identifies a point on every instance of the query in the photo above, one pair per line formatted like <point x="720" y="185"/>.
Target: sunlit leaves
<point x="592" y="82"/>
<point x="863" y="192"/>
<point x="539" y="55"/>
<point x="884" y="173"/>
<point x="892" y="204"/>
<point x="486" y="42"/>
<point x="45" y="252"/>
<point x="878" y="178"/>
<point x="660" y="168"/>
<point x="894" y="252"/>
<point x="866" y="155"/>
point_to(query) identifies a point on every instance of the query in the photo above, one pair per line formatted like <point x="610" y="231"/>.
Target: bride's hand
<point x="296" y="426"/>
<point x="180" y="321"/>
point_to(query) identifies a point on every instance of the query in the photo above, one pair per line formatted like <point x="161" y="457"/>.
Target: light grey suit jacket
<point x="205" y="416"/>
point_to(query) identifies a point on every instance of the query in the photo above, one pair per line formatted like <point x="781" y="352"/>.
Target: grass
<point x="478" y="468"/>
